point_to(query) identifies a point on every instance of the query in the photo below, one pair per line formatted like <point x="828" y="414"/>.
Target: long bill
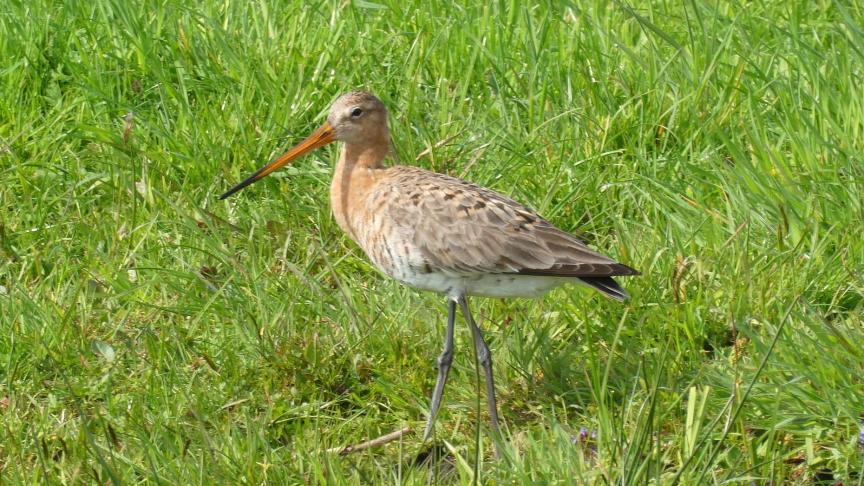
<point x="319" y="138"/>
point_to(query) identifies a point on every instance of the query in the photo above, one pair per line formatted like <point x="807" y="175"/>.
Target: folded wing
<point x="461" y="227"/>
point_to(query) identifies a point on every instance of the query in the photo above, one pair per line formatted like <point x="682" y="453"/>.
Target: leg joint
<point x="483" y="356"/>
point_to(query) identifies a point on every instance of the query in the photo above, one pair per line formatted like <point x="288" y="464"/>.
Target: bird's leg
<point x="485" y="359"/>
<point x="444" y="362"/>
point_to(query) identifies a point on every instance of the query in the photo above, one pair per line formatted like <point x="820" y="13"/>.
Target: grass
<point x="151" y="333"/>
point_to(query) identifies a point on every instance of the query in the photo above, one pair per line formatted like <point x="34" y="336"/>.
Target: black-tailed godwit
<point x="439" y="233"/>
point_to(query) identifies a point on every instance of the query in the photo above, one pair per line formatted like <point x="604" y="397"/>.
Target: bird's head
<point x="356" y="118"/>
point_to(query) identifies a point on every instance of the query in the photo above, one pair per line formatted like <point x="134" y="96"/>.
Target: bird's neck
<point x="364" y="156"/>
<point x="356" y="173"/>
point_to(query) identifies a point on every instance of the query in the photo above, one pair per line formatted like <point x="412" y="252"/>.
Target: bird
<point x="439" y="233"/>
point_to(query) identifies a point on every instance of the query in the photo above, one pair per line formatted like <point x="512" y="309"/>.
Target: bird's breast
<point x="361" y="209"/>
<point x="349" y="194"/>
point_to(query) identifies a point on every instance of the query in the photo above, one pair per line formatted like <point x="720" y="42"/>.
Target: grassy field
<point x="151" y="333"/>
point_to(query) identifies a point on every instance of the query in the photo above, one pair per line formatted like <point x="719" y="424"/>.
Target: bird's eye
<point x="356" y="112"/>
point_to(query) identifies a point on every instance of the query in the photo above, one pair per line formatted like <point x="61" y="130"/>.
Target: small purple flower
<point x="582" y="437"/>
<point x="861" y="433"/>
<point x="575" y="439"/>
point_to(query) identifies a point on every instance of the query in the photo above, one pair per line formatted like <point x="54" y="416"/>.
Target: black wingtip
<point x="632" y="271"/>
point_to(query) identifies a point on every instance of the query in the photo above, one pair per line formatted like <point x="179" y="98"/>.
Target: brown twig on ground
<point x="342" y="451"/>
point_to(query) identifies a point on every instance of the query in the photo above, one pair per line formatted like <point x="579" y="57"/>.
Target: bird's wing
<point x="461" y="227"/>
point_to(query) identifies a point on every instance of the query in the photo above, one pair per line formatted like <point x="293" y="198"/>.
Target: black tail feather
<point x="608" y="286"/>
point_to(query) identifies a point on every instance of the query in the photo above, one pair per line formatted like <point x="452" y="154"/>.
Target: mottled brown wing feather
<point x="461" y="227"/>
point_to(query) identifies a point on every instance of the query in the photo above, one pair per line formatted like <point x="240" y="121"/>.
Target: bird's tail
<point x="607" y="285"/>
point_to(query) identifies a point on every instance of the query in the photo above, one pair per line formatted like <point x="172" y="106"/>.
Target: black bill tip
<point x="249" y="180"/>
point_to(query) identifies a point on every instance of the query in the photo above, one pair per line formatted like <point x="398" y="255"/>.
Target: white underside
<point x="486" y="285"/>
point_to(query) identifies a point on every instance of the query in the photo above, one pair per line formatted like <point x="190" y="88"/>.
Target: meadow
<point x="150" y="333"/>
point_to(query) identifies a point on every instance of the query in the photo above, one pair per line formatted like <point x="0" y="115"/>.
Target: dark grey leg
<point x="485" y="359"/>
<point x="444" y="362"/>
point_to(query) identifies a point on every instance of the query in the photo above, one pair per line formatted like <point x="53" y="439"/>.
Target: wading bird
<point x="439" y="233"/>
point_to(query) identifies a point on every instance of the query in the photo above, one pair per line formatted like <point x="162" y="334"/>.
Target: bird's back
<point x="440" y="233"/>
